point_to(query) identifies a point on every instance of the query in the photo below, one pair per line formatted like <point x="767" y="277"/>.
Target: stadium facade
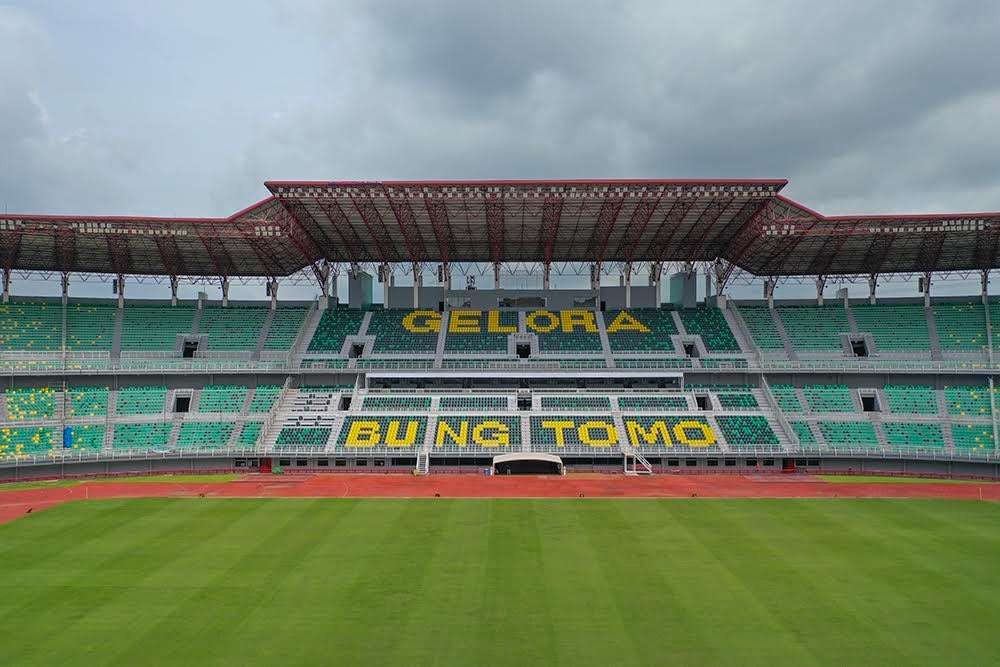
<point x="445" y="377"/>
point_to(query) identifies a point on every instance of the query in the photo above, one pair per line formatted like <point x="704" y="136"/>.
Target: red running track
<point x="18" y="502"/>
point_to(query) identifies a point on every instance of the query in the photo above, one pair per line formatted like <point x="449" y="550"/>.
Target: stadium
<point x="432" y="379"/>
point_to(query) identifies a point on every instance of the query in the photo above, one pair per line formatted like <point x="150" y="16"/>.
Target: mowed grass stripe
<point x="519" y="582"/>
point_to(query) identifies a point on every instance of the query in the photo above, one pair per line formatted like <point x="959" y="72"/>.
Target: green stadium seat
<point x="334" y="326"/>
<point x="638" y="403"/>
<point x="87" y="401"/>
<point x="464" y="338"/>
<point x="302" y="437"/>
<point x="895" y="327"/>
<point x="474" y="403"/>
<point x="465" y="433"/>
<point x="285" y="327"/>
<point x="829" y="398"/>
<point x="382" y="433"/>
<point x="148" y="327"/>
<point x="786" y="397"/>
<point x="27" y="441"/>
<point x="815" y="328"/>
<point x="804" y="432"/>
<point x="86" y="438"/>
<point x="575" y="403"/>
<point x="204" y="435"/>
<point x="665" y="433"/>
<point x="592" y="434"/>
<point x="623" y="338"/>
<point x="968" y="401"/>
<point x="856" y="434"/>
<point x="90" y="327"/>
<point x="222" y="398"/>
<point x="147" y="437"/>
<point x="760" y="324"/>
<point x="961" y="326"/>
<point x="910" y="399"/>
<point x="31" y="326"/>
<point x="710" y="323"/>
<point x="397" y="403"/>
<point x="29" y="403"/>
<point x="141" y="400"/>
<point x="249" y="435"/>
<point x="264" y="398"/>
<point x="738" y="401"/>
<point x="554" y="336"/>
<point x="744" y="430"/>
<point x="913" y="435"/>
<point x="392" y="336"/>
<point x="973" y="436"/>
<point x="233" y="327"/>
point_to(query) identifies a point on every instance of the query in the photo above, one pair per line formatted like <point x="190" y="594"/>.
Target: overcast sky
<point x="186" y="107"/>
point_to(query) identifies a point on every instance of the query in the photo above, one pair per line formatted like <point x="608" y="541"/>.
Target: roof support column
<point x="595" y="276"/>
<point x="418" y="282"/>
<point x="872" y="284"/>
<point x="655" y="278"/>
<point x="984" y="281"/>
<point x="444" y="275"/>
<point x="925" y="286"/>
<point x="174" y="281"/>
<point x="272" y="291"/>
<point x="496" y="275"/>
<point x="546" y="275"/>
<point x="769" y="292"/>
<point x="225" y="291"/>
<point x="628" y="284"/>
<point x="65" y="286"/>
<point x="6" y="285"/>
<point x="387" y="279"/>
<point x="820" y="285"/>
<point x="120" y="289"/>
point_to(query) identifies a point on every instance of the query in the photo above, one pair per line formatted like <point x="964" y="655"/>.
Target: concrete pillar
<point x="655" y="279"/>
<point x="272" y="291"/>
<point x="628" y="285"/>
<point x="769" y="292"/>
<point x="359" y="288"/>
<point x="6" y="285"/>
<point x="984" y="280"/>
<point x="65" y="287"/>
<point x="872" y="284"/>
<point x="546" y="274"/>
<point x="225" y="291"/>
<point x="121" y="291"/>
<point x="174" y="281"/>
<point x="820" y="285"/>
<point x="595" y="276"/>
<point x="496" y="275"/>
<point x="927" y="289"/>
<point x="418" y="281"/>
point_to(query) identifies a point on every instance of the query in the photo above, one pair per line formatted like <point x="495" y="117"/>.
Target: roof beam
<point x="407" y="222"/>
<point x="495" y="225"/>
<point x="828" y="254"/>
<point x="341" y="226"/>
<point x="170" y="255"/>
<point x="10" y="248"/>
<point x="437" y="213"/>
<point x="877" y="251"/>
<point x="638" y="222"/>
<point x="377" y="230"/>
<point x="65" y="248"/>
<point x="668" y="228"/>
<point x="930" y="252"/>
<point x="611" y="207"/>
<point x="551" y="218"/>
<point x="118" y="250"/>
<point x="221" y="260"/>
<point x="706" y="221"/>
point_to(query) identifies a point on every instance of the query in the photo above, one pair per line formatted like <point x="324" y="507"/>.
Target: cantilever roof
<point x="747" y="222"/>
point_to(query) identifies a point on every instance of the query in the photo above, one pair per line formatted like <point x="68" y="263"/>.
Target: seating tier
<point x="154" y="327"/>
<point x="815" y="328"/>
<point x="710" y="323"/>
<point x="640" y="330"/>
<point x="895" y="327"/>
<point x="334" y="326"/>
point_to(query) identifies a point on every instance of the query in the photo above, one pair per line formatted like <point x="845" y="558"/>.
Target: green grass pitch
<point x="502" y="582"/>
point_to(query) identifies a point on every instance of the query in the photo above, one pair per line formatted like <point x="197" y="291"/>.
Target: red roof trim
<point x="780" y="182"/>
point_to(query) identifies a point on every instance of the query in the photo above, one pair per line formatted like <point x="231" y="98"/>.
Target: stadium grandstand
<point x="642" y="376"/>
